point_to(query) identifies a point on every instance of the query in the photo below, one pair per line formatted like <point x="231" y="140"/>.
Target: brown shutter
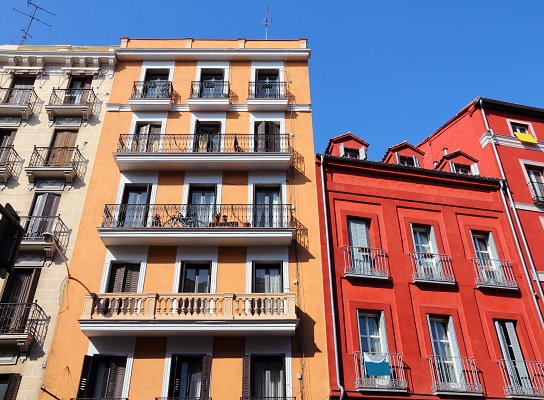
<point x="120" y="364"/>
<point x="205" y="384"/>
<point x="59" y="155"/>
<point x="131" y="278"/>
<point x="260" y="139"/>
<point x="13" y="387"/>
<point x="116" y="278"/>
<point x="154" y="136"/>
<point x="51" y="204"/>
<point x="85" y="376"/>
<point x="246" y="377"/>
<point x="173" y="390"/>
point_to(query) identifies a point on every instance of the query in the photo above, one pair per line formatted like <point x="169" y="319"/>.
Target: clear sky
<point x="386" y="70"/>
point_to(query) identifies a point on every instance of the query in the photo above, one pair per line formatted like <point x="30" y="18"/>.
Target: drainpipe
<point x="504" y="185"/>
<point x="331" y="285"/>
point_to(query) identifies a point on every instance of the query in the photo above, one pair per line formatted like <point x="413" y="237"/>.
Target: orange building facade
<point x="196" y="271"/>
<point x="427" y="291"/>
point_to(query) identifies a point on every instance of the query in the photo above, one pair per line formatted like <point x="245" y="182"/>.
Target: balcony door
<point x="267" y="137"/>
<point x="267" y="207"/>
<point x="201" y="205"/>
<point x="146" y="138"/>
<point x="21" y="89"/>
<point x="189" y="377"/>
<point x="41" y="218"/>
<point x="360" y="246"/>
<point x="62" y="147"/>
<point x="267" y="278"/>
<point x="374" y="352"/>
<point x="426" y="258"/>
<point x="135" y="207"/>
<point x="124" y="278"/>
<point x="77" y="92"/>
<point x="447" y="362"/>
<point x="206" y="138"/>
<point x="18" y="293"/>
<point x="536" y="180"/>
<point x="212" y="83"/>
<point x="264" y="377"/>
<point x="6" y="141"/>
<point x="487" y="258"/>
<point x="195" y="278"/>
<point x="102" y="377"/>
<point x="267" y="84"/>
<point x="513" y="357"/>
<point x="155" y="84"/>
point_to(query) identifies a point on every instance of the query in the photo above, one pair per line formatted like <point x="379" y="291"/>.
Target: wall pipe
<point x="504" y="185"/>
<point x="331" y="285"/>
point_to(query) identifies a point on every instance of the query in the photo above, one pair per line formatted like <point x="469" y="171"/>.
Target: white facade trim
<point x="510" y="141"/>
<point x="528" y="207"/>
<point x="128" y="255"/>
<point x="196" y="254"/>
<point x="202" y="178"/>
<point x="520" y="122"/>
<point x="185" y="107"/>
<point x="257" y="65"/>
<point x="169" y="65"/>
<point x="224" y="65"/>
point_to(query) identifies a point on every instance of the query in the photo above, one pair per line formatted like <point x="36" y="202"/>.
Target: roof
<point x="400" y="145"/>
<point x="453" y="154"/>
<point x="345" y="135"/>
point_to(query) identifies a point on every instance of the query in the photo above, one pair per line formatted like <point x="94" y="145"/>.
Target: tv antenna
<point x="31" y="19"/>
<point x="266" y="21"/>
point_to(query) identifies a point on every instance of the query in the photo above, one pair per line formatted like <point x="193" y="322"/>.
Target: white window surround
<point x="225" y="66"/>
<point x="139" y="118"/>
<point x="257" y="65"/>
<point x="529" y="126"/>
<point x="115" y="347"/>
<point x="134" y="177"/>
<point x="189" y="254"/>
<point x="151" y="65"/>
<point x="530" y="164"/>
<point x="124" y="255"/>
<point x="256" y="178"/>
<point x="266" y="116"/>
<point x="202" y="179"/>
<point x="220" y="117"/>
<point x="197" y="345"/>
<point x="267" y="254"/>
<point x="273" y="346"/>
<point x="379" y="315"/>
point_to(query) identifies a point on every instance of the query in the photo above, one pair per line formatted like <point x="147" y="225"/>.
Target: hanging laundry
<point x="377" y="364"/>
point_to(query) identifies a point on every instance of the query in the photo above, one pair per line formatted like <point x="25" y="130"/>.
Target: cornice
<point x="120" y="107"/>
<point x="509" y="141"/>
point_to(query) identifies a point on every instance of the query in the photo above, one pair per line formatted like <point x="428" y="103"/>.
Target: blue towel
<point x="377" y="364"/>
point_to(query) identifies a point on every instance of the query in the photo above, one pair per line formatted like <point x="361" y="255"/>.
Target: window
<point x="523" y="132"/>
<point x="77" y="93"/>
<point x="446" y="358"/>
<point x="536" y="183"/>
<point x="372" y="336"/>
<point x="17" y="295"/>
<point x="408" y="161"/>
<point x="426" y="257"/>
<point x="514" y="361"/>
<point x="267" y="137"/>
<point x="268" y="212"/>
<point x="360" y="246"/>
<point x="189" y="377"/>
<point x="267" y="278"/>
<point x="6" y="142"/>
<point x="102" y="377"/>
<point x="351" y="153"/>
<point x="207" y="139"/>
<point x="42" y="215"/>
<point x="157" y="84"/>
<point x="201" y="205"/>
<point x="21" y="90"/>
<point x="124" y="278"/>
<point x="195" y="278"/>
<point x="263" y="377"/>
<point x="462" y="169"/>
<point x="489" y="265"/>
<point x="62" y="148"/>
<point x="133" y="212"/>
<point x="9" y="386"/>
<point x="212" y="84"/>
<point x="267" y="85"/>
<point x="519" y="128"/>
<point x="146" y="138"/>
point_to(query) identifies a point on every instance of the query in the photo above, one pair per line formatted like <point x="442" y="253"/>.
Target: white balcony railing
<point x="522" y="378"/>
<point x="365" y="262"/>
<point x="379" y="371"/>
<point x="431" y="267"/>
<point x="454" y="374"/>
<point x="494" y="273"/>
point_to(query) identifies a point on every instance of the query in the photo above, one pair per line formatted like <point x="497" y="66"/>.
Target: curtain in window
<point x="267" y="210"/>
<point x="359" y="240"/>
<point x="268" y="378"/>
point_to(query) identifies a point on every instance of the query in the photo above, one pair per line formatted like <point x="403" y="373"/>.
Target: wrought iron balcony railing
<point x="73" y="97"/>
<point x="51" y="157"/>
<point x="431" y="267"/>
<point x="9" y="159"/>
<point x="209" y="90"/>
<point x="22" y="318"/>
<point x="204" y="143"/>
<point x="365" y="262"/>
<point x="35" y="226"/>
<point x="522" y="378"/>
<point x="537" y="190"/>
<point x="184" y="398"/>
<point x="268" y="398"/>
<point x="191" y="216"/>
<point x="19" y="97"/>
<point x="454" y="374"/>
<point x="266" y="90"/>
<point x="152" y="90"/>
<point x="99" y="398"/>
<point x="189" y="306"/>
<point x="385" y="371"/>
<point x="494" y="273"/>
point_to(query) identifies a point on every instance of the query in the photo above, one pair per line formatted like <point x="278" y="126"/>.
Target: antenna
<point x="32" y="18"/>
<point x="266" y="21"/>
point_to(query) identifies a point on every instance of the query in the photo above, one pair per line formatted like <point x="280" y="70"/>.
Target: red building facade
<point x="423" y="280"/>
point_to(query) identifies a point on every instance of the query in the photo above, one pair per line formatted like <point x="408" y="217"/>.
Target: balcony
<point x="365" y="262"/>
<point x="21" y="324"/>
<point x="454" y="375"/>
<point x="226" y="152"/>
<point x="379" y="372"/>
<point x="269" y="398"/>
<point x="72" y="103"/>
<point x="522" y="378"/>
<point x="147" y="314"/>
<point x="18" y="103"/>
<point x="537" y="190"/>
<point x="99" y="398"/>
<point x="64" y="163"/>
<point x="151" y="96"/>
<point x="9" y="164"/>
<point x="34" y="240"/>
<point x="432" y="268"/>
<point x="267" y="96"/>
<point x="496" y="274"/>
<point x="197" y="225"/>
<point x="209" y="96"/>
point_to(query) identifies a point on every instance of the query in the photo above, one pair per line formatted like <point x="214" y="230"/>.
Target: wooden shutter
<point x="474" y="169"/>
<point x="132" y="276"/>
<point x="362" y="153"/>
<point x="143" y="137"/>
<point x="85" y="376"/>
<point x="173" y="390"/>
<point x="246" y="377"/>
<point x="117" y="275"/>
<point x="51" y="204"/>
<point x="13" y="386"/>
<point x="154" y="137"/>
<point x="59" y="154"/>
<point x="260" y="139"/>
<point x="116" y="377"/>
<point x="205" y="382"/>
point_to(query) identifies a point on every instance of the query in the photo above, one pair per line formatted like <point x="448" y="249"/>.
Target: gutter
<point x="331" y="285"/>
<point x="504" y="185"/>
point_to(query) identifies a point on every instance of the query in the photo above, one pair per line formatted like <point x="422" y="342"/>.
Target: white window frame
<point x="257" y="178"/>
<point x="511" y="122"/>
<point x="196" y="254"/>
<point x="258" y="65"/>
<point x="398" y="156"/>
<point x="382" y="331"/>
<point x="140" y="118"/>
<point x="221" y="118"/>
<point x="129" y="178"/>
<point x="267" y="254"/>
<point x="203" y="65"/>
<point x="197" y="178"/>
<point x="278" y="117"/>
<point x="452" y="341"/>
<point x="120" y="254"/>
<point x="153" y="65"/>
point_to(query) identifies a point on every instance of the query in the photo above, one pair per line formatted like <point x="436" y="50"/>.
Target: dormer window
<point x="351" y="153"/>
<point x="407" y="161"/>
<point x="462" y="169"/>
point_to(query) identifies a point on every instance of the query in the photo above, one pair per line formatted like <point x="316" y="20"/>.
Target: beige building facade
<point x="197" y="269"/>
<point x="52" y="104"/>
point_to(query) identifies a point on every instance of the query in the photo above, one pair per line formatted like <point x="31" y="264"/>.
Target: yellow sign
<point x="525" y="137"/>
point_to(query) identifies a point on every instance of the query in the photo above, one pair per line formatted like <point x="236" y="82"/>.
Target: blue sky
<point x="387" y="70"/>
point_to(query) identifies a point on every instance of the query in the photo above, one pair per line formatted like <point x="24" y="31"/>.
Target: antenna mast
<point x="31" y="19"/>
<point x="266" y="21"/>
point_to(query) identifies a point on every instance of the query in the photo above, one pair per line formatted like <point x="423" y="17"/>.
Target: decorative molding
<point x="528" y="207"/>
<point x="120" y="107"/>
<point x="509" y="141"/>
